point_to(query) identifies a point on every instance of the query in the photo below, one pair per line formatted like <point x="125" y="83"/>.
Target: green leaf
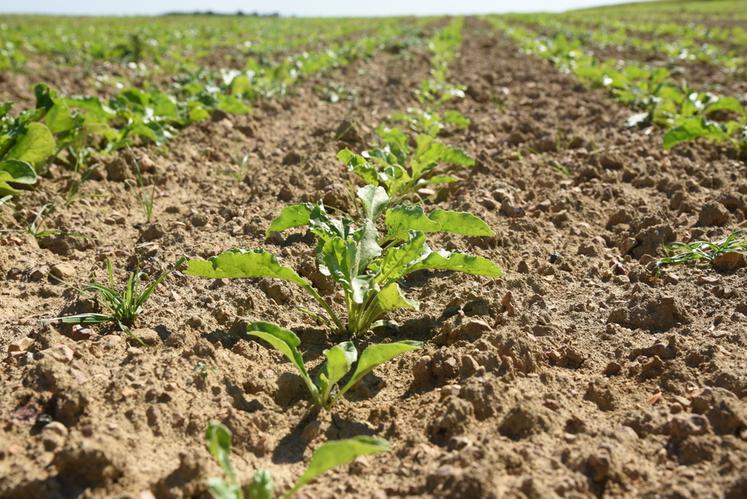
<point x="221" y="489"/>
<point x="337" y="453"/>
<point x="693" y="128"/>
<point x="458" y="262"/>
<point x="231" y="104"/>
<point x="377" y="354"/>
<point x="725" y="104"/>
<point x="374" y="199"/>
<point x="402" y="219"/>
<point x="35" y="146"/>
<point x="15" y="172"/>
<point x="388" y="299"/>
<point x="398" y="258"/>
<point x="442" y="179"/>
<point x="286" y="342"/>
<point x="456" y="118"/>
<point x="238" y="264"/>
<point x="218" y="441"/>
<point x="261" y="486"/>
<point x="358" y="165"/>
<point x="340" y="358"/>
<point x="59" y="118"/>
<point x="294" y="215"/>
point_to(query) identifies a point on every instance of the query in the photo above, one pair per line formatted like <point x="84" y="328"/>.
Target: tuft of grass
<point x="685" y="253"/>
<point x="123" y="306"/>
<point x="243" y="168"/>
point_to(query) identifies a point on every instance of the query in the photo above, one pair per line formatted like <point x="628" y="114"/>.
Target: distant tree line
<point x="239" y="13"/>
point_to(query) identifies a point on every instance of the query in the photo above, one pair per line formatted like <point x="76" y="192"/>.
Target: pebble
<point x="62" y="271"/>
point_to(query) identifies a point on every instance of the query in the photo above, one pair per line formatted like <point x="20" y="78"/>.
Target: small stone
<point x="729" y="262"/>
<point x="20" y="346"/>
<point x="118" y="170"/>
<point x="713" y="214"/>
<point x="147" y="165"/>
<point x="511" y="211"/>
<point x="198" y="220"/>
<point x="60" y="353"/>
<point x="422" y="370"/>
<point x="311" y="430"/>
<point x="682" y="426"/>
<point x="469" y="366"/>
<point x="53" y="435"/>
<point x="39" y="273"/>
<point x="62" y="271"/>
<point x="292" y="158"/>
<point x="612" y="369"/>
<point x="450" y="390"/>
<point x="522" y="267"/>
<point x="285" y="194"/>
<point x="152" y="232"/>
<point x="146" y="335"/>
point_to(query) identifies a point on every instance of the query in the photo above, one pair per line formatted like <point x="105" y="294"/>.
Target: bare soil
<point x="581" y="373"/>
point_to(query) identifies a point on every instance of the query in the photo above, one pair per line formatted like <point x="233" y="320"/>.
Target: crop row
<point x="684" y="43"/>
<point x="365" y="252"/>
<point x="674" y="9"/>
<point x="686" y="114"/>
<point x="165" y="43"/>
<point x="81" y="126"/>
<point x="690" y="31"/>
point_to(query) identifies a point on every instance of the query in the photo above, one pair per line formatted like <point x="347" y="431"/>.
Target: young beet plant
<point x="329" y="455"/>
<point x="340" y="359"/>
<point x="367" y="265"/>
<point x="430" y="122"/>
<point x="402" y="170"/>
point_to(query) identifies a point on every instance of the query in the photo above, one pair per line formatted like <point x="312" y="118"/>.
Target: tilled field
<point x="581" y="372"/>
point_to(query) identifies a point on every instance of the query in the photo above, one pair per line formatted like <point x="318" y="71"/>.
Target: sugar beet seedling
<point x="329" y="455"/>
<point x="366" y="265"/>
<point x="339" y="360"/>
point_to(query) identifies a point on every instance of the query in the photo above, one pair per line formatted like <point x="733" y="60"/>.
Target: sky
<point x="294" y="7"/>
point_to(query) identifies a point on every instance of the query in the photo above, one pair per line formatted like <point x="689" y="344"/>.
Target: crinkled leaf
<point x="15" y="172"/>
<point x="218" y="441"/>
<point x="237" y="264"/>
<point x="59" y="118"/>
<point x="231" y="104"/>
<point x="358" y="165"/>
<point x="35" y="146"/>
<point x="691" y="129"/>
<point x="398" y="258"/>
<point x="374" y="199"/>
<point x="442" y="179"/>
<point x="457" y="262"/>
<point x="294" y="215"/>
<point x="337" y="453"/>
<point x="402" y="219"/>
<point x="368" y="245"/>
<point x="725" y="104"/>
